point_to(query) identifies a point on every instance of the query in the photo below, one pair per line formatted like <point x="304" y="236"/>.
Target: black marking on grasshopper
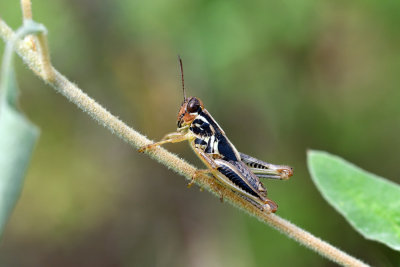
<point x="250" y="177"/>
<point x="210" y="149"/>
<point x="237" y="180"/>
<point x="224" y="146"/>
<point x="200" y="142"/>
<point x="256" y="165"/>
<point x="201" y="127"/>
<point x="240" y="175"/>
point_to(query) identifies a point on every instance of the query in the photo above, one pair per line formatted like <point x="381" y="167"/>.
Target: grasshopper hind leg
<point x="197" y="174"/>
<point x="264" y="205"/>
<point x="264" y="169"/>
<point x="236" y="176"/>
<point x="269" y="205"/>
<point x="206" y="172"/>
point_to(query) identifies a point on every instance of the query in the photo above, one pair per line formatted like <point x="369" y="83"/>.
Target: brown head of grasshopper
<point x="233" y="169"/>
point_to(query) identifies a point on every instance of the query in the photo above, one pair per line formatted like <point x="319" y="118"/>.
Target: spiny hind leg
<point x="264" y="204"/>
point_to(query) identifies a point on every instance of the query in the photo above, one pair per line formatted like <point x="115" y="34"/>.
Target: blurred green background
<point x="279" y="76"/>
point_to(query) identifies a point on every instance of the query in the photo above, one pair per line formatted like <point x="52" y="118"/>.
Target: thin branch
<point x="48" y="71"/>
<point x="180" y="166"/>
<point x="26" y="7"/>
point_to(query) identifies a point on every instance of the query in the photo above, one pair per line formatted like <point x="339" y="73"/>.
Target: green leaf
<point x="371" y="204"/>
<point x="17" y="139"/>
<point x="17" y="135"/>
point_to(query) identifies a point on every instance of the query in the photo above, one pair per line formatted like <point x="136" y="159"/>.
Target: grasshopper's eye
<point x="193" y="105"/>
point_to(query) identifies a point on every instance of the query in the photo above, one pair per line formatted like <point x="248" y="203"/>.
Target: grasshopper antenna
<point x="182" y="79"/>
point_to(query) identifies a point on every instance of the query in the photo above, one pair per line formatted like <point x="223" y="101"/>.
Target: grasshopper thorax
<point x="190" y="109"/>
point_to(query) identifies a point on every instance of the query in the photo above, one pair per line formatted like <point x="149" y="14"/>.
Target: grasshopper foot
<point x="146" y="148"/>
<point x="189" y="185"/>
<point x="217" y="188"/>
<point x="270" y="206"/>
<point x="196" y="174"/>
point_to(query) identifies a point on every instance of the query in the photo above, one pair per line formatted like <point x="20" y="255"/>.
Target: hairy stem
<point x="61" y="84"/>
<point x="26" y="7"/>
<point x="48" y="71"/>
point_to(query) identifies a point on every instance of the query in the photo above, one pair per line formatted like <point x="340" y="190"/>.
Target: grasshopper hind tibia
<point x="266" y="205"/>
<point x="269" y="204"/>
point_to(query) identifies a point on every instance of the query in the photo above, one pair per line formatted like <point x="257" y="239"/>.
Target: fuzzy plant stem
<point x="38" y="61"/>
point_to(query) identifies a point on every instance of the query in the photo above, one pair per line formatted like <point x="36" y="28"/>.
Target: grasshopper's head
<point x="190" y="108"/>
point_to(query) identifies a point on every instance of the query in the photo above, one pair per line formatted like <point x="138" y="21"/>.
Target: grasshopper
<point x="239" y="172"/>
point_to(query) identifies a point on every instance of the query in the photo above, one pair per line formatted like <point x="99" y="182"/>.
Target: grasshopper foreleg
<point x="169" y="138"/>
<point x="267" y="170"/>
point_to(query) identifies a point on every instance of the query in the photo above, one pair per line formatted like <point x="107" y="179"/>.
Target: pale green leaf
<point x="371" y="204"/>
<point x="17" y="139"/>
<point x="17" y="135"/>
